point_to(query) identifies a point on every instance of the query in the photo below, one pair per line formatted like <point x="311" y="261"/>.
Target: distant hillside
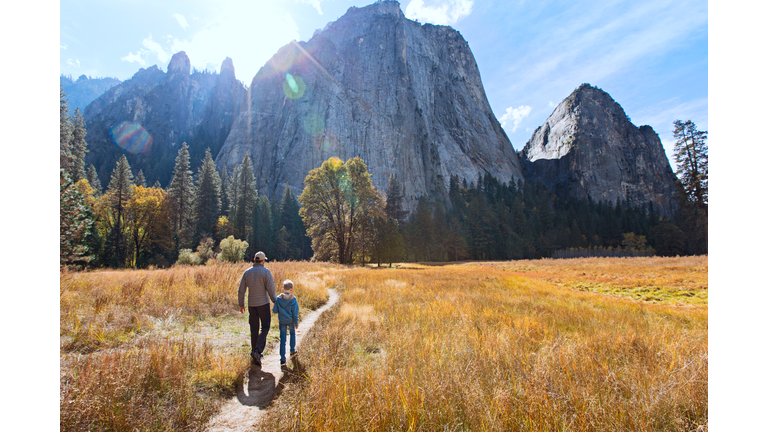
<point x="148" y="117"/>
<point x="85" y="89"/>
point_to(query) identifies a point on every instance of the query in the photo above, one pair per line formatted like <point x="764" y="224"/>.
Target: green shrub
<point x="232" y="249"/>
<point x="186" y="256"/>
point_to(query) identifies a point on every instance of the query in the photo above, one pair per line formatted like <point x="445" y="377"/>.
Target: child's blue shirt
<point x="287" y="309"/>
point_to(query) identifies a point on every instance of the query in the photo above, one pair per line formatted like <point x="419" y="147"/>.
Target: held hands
<point x="242" y="309"/>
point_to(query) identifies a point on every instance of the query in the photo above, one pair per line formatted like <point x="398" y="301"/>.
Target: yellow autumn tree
<point x="148" y="221"/>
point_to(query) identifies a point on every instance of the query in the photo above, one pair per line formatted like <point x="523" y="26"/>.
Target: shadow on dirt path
<point x="258" y="386"/>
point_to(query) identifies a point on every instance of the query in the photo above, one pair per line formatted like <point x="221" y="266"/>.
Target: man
<point x="261" y="289"/>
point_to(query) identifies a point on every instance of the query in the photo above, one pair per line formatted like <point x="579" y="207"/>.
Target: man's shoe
<point x="293" y="353"/>
<point x="256" y="358"/>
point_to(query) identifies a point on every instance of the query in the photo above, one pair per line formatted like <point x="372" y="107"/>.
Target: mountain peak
<point x="588" y="147"/>
<point x="227" y="67"/>
<point x="179" y="64"/>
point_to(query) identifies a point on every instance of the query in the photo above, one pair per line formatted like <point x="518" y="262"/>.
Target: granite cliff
<point x="148" y="117"/>
<point x="588" y="148"/>
<point x="406" y="98"/>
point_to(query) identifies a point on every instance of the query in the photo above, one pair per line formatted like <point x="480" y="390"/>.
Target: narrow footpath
<point x="258" y="389"/>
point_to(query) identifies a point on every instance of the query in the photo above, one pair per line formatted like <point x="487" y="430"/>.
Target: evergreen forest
<point x="206" y="214"/>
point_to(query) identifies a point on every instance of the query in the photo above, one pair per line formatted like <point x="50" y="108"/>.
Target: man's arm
<point x="271" y="287"/>
<point x="241" y="294"/>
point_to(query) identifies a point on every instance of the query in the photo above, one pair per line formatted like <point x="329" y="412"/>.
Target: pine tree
<point x="395" y="196"/>
<point x="66" y="129"/>
<point x="692" y="159"/>
<point x="78" y="146"/>
<point x="181" y="194"/>
<point x="208" y="200"/>
<point x="119" y="192"/>
<point x="75" y="222"/>
<point x="224" y="192"/>
<point x="232" y="194"/>
<point x="246" y="199"/>
<point x="140" y="181"/>
<point x="289" y="218"/>
<point x="93" y="179"/>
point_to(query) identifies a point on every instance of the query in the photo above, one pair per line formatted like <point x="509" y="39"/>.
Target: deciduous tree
<point x="337" y="201"/>
<point x="147" y="220"/>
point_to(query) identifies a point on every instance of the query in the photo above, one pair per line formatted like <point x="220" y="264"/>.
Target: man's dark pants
<point x="258" y="314"/>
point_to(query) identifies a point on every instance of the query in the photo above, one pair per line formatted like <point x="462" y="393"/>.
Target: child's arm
<point x="274" y="308"/>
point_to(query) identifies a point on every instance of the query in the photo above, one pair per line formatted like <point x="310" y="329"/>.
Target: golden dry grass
<point x="680" y="280"/>
<point x="505" y="347"/>
<point x="159" y="349"/>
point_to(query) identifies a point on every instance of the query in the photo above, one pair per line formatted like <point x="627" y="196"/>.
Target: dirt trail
<point x="259" y="388"/>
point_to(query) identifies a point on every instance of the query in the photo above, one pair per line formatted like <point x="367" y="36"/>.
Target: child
<point x="287" y="309"/>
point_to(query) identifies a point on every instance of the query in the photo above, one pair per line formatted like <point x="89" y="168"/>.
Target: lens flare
<point x="293" y="86"/>
<point x="314" y="124"/>
<point x="326" y="142"/>
<point x="131" y="137"/>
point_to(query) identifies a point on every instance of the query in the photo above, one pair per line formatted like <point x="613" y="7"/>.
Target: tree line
<point x="137" y="225"/>
<point x="340" y="216"/>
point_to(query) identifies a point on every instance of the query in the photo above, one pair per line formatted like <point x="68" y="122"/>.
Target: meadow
<point x="608" y="344"/>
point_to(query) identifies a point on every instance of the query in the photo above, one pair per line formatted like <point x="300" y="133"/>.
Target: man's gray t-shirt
<point x="261" y="287"/>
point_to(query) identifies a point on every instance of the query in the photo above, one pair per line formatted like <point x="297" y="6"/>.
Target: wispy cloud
<point x="315" y="4"/>
<point x="564" y="44"/>
<point x="151" y="48"/>
<point x="181" y="20"/>
<point x="75" y="63"/>
<point x="135" y="58"/>
<point x="515" y="116"/>
<point x="661" y="116"/>
<point x="442" y="12"/>
<point x="62" y="45"/>
<point x="156" y="49"/>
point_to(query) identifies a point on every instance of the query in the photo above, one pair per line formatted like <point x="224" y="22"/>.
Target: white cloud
<point x="182" y="21"/>
<point x="75" y="63"/>
<point x="62" y="45"/>
<point x="315" y="4"/>
<point x="441" y="12"/>
<point x="249" y="33"/>
<point x="515" y="115"/>
<point x="156" y="49"/>
<point x="135" y="58"/>
<point x="551" y="104"/>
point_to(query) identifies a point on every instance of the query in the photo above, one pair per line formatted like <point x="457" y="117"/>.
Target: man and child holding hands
<point x="261" y="289"/>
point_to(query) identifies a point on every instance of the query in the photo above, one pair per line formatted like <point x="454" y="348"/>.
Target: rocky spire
<point x="589" y="148"/>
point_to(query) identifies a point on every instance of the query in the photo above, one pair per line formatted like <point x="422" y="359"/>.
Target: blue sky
<point x="651" y="56"/>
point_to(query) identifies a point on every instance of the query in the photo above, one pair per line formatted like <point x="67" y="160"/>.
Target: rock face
<point x="589" y="148"/>
<point x="406" y="98"/>
<point x="148" y="117"/>
<point x="84" y="90"/>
